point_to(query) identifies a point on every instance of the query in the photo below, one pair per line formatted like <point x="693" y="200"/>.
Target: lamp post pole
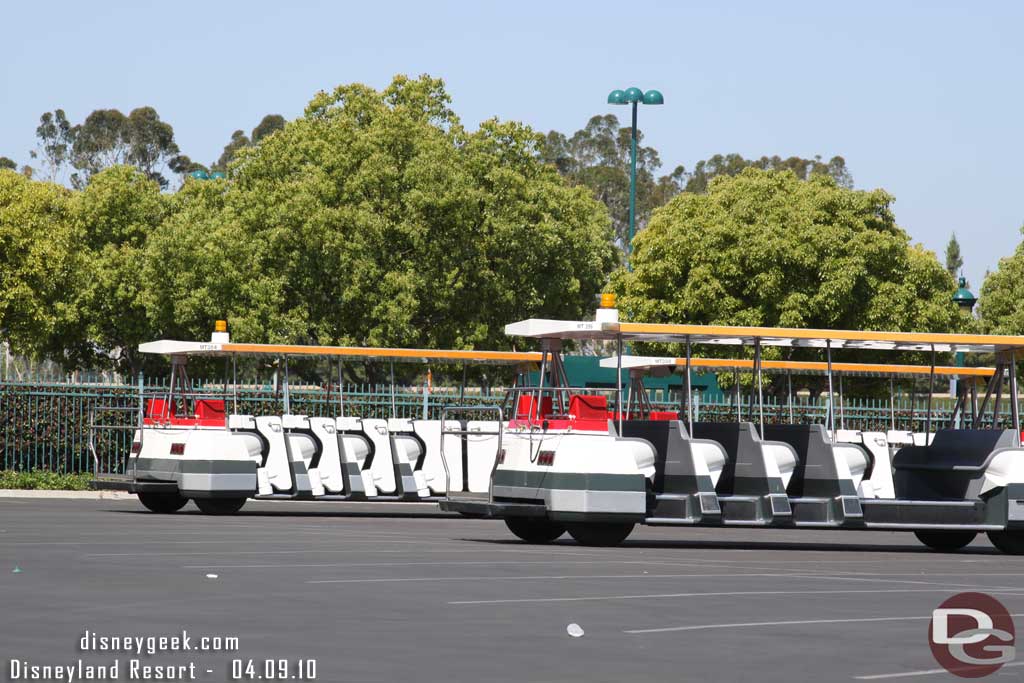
<point x="632" y="185"/>
<point x="635" y="97"/>
<point x="965" y="300"/>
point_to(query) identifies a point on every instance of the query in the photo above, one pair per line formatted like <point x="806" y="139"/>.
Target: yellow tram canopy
<point x="727" y="335"/>
<point x="795" y="367"/>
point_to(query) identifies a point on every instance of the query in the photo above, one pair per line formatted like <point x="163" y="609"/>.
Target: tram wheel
<point x="534" y="530"/>
<point x="162" y="502"/>
<point x="219" y="506"/>
<point x="605" y="534"/>
<point x="945" y="541"/>
<point x="1010" y="542"/>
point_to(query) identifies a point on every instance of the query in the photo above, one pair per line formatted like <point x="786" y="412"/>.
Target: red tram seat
<point x="210" y="411"/>
<point x="588" y="407"/>
<point x="158" y="408"/>
<point x="526" y="408"/>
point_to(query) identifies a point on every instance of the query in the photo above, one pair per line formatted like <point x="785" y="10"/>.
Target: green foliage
<point x="954" y="261"/>
<point x="44" y="480"/>
<point x="267" y="125"/>
<point x="37" y="262"/>
<point x="115" y="214"/>
<point x="766" y="248"/>
<point x="376" y="218"/>
<point x="733" y="164"/>
<point x="598" y="158"/>
<point x="8" y="164"/>
<point x="1001" y="302"/>
<point x="108" y="138"/>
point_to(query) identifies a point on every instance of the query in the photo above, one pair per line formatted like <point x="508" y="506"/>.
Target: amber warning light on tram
<point x="607" y="313"/>
<point x="220" y="332"/>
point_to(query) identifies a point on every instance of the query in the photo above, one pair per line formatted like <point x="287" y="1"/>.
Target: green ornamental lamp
<point x="634" y="96"/>
<point x="963" y="297"/>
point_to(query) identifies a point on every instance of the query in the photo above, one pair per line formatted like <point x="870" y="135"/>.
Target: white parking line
<point x="312" y="551"/>
<point x="806" y="622"/>
<point x="523" y="578"/>
<point x="433" y="564"/>
<point x="925" y="672"/>
<point x="718" y="594"/>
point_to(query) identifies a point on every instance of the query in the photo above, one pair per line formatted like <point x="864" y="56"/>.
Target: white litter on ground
<point x="574" y="630"/>
<point x="211" y="576"/>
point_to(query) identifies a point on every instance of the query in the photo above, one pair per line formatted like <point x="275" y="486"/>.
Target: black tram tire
<point x="1010" y="542"/>
<point x="162" y="502"/>
<point x="946" y="541"/>
<point x="605" y="534"/>
<point x="219" y="506"/>
<point x="534" y="530"/>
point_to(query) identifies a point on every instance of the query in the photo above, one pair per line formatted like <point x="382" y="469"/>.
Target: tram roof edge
<point x="768" y="336"/>
<point x="798" y="367"/>
<point x="171" y="347"/>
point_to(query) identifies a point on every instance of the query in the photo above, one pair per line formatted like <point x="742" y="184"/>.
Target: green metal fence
<point x="47" y="425"/>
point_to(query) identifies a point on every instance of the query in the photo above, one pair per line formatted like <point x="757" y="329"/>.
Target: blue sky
<point x="922" y="99"/>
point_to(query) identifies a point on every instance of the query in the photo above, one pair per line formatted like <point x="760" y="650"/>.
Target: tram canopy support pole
<point x="892" y="403"/>
<point x="842" y="413"/>
<point x="1014" y="405"/>
<point x="393" y="406"/>
<point x="931" y="390"/>
<point x="736" y="392"/>
<point x="689" y="389"/>
<point x="618" y="378"/>
<point x="760" y="392"/>
<point x="341" y="389"/>
<point x="831" y="407"/>
<point x="789" y="394"/>
<point x="234" y="383"/>
<point x="284" y="390"/>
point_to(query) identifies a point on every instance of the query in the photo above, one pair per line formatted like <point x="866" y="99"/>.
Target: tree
<point x="598" y="157"/>
<point x="56" y="137"/>
<point x="37" y="247"/>
<point x="733" y="164"/>
<point x="954" y="262"/>
<point x="115" y="214"/>
<point x="267" y="125"/>
<point x="1001" y="302"/>
<point x="239" y="140"/>
<point x="376" y="218"/>
<point x="765" y="248"/>
<point x="8" y="164"/>
<point x="108" y="138"/>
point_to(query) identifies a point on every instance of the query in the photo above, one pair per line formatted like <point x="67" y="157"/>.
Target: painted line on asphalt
<point x="432" y="564"/>
<point x="314" y="551"/>
<point x="523" y="578"/>
<point x="924" y="672"/>
<point x="805" y="622"/>
<point x="717" y="594"/>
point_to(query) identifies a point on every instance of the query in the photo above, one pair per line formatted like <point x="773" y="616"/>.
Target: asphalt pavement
<point x="389" y="592"/>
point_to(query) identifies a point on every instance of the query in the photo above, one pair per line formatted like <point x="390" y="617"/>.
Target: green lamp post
<point x="965" y="300"/>
<point x="633" y="96"/>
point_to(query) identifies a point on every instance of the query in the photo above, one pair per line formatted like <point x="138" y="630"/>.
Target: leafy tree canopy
<point x="1001" y="301"/>
<point x="377" y="218"/>
<point x="8" y="164"/>
<point x="954" y="261"/>
<point x="734" y="164"/>
<point x="108" y="138"/>
<point x="239" y="140"/>
<point x="765" y="248"/>
<point x="37" y="244"/>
